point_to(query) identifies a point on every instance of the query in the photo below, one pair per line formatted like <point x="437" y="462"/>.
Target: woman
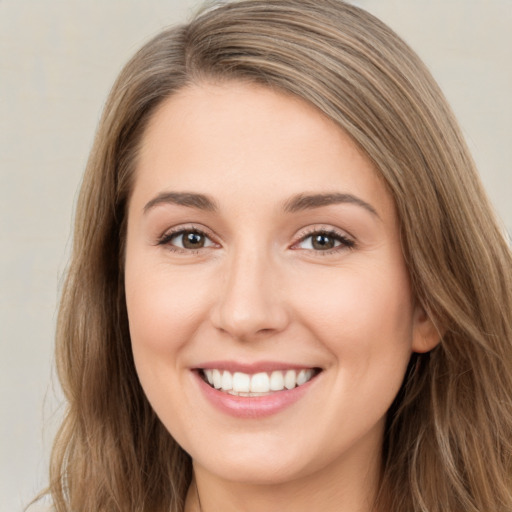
<point x="287" y="289"/>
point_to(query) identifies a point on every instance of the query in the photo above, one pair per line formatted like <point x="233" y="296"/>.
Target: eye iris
<point x="323" y="242"/>
<point x="193" y="240"/>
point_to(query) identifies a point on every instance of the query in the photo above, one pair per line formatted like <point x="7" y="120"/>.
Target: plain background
<point x="58" y="59"/>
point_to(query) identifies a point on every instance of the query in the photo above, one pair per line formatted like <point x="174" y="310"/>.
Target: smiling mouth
<point x="257" y="384"/>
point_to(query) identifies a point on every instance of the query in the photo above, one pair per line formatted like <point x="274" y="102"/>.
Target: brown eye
<point x="188" y="239"/>
<point x="322" y="242"/>
<point x="193" y="240"/>
<point x="325" y="241"/>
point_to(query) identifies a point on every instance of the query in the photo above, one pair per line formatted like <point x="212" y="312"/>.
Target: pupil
<point x="323" y="242"/>
<point x="193" y="240"/>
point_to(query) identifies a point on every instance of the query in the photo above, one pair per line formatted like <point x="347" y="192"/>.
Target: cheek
<point x="165" y="311"/>
<point x="164" y="307"/>
<point x="364" y="317"/>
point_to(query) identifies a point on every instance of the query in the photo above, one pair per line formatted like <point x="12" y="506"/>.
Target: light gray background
<point x="58" y="60"/>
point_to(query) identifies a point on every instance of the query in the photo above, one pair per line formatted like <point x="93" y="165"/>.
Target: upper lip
<point x="253" y="367"/>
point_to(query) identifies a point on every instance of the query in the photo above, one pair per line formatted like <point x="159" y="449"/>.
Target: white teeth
<point x="217" y="379"/>
<point x="290" y="379"/>
<point x="241" y="382"/>
<point x="277" y="381"/>
<point x="209" y="376"/>
<point x="227" y="381"/>
<point x="258" y="383"/>
<point x="302" y="378"/>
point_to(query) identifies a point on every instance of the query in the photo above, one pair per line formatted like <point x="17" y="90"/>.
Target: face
<point x="269" y="304"/>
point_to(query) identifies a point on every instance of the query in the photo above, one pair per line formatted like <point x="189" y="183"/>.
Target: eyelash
<point x="166" y="238"/>
<point x="345" y="243"/>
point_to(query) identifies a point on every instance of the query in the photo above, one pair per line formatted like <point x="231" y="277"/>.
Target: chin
<point x="254" y="470"/>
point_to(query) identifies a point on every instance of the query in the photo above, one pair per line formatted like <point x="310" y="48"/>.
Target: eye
<point x="186" y="239"/>
<point x="324" y="241"/>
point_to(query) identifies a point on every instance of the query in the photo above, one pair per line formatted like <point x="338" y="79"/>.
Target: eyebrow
<point x="192" y="200"/>
<point x="297" y="203"/>
<point x="302" y="202"/>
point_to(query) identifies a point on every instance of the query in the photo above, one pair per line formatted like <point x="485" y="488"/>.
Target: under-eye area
<point x="257" y="384"/>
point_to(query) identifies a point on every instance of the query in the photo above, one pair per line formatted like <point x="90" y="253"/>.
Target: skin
<point x="260" y="291"/>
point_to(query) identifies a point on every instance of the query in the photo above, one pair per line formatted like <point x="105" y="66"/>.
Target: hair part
<point x="448" y="442"/>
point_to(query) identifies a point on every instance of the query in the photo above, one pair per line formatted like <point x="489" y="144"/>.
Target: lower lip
<point x="253" y="406"/>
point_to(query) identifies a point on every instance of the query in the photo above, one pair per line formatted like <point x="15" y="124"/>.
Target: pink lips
<point x="255" y="406"/>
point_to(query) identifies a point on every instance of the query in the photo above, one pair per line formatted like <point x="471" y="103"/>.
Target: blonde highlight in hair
<point x="448" y="444"/>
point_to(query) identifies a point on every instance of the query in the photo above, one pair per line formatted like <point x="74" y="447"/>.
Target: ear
<point x="426" y="334"/>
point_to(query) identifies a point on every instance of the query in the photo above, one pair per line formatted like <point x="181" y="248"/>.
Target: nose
<point x="250" y="303"/>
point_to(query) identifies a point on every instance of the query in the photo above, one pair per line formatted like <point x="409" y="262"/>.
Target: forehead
<point x="253" y="142"/>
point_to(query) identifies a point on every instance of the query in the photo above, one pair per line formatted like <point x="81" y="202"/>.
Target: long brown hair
<point x="448" y="443"/>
